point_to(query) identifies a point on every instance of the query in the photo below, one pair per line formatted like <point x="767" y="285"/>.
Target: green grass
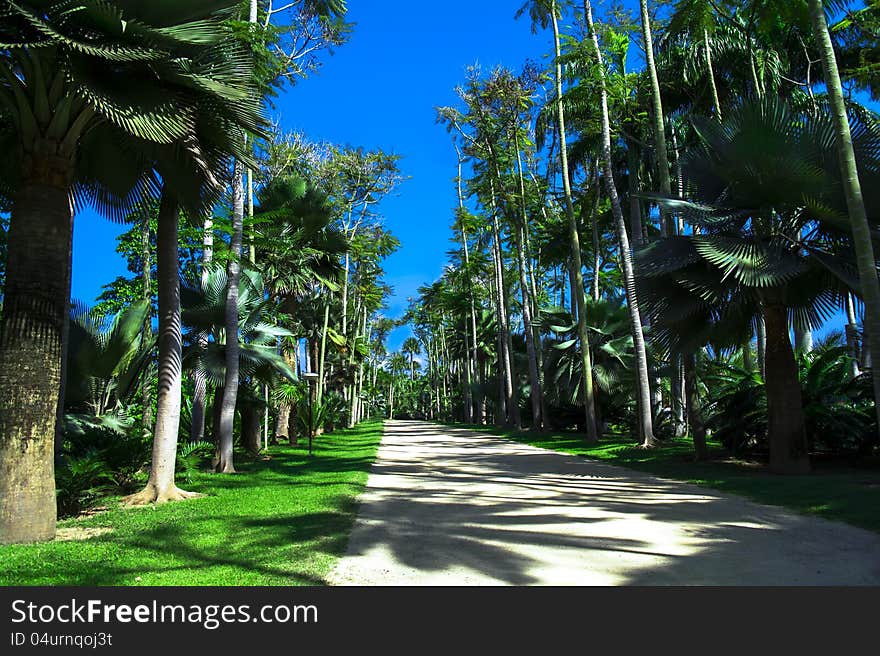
<point x="835" y="490"/>
<point x="282" y="521"/>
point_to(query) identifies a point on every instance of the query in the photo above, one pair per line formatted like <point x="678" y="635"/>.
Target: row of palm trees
<point x="156" y="111"/>
<point x="727" y="189"/>
<point x="105" y="105"/>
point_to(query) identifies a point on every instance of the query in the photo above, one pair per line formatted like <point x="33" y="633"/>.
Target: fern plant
<point x="190" y="455"/>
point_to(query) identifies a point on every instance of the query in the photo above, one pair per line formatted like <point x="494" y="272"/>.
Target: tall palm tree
<point x="411" y="348"/>
<point x="855" y="202"/>
<point x="80" y="90"/>
<point x="324" y="9"/>
<point x="773" y="244"/>
<point x="643" y="387"/>
<point x="542" y="13"/>
<point x="697" y="17"/>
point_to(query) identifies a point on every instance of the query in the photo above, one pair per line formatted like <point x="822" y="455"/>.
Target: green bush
<point x="81" y="481"/>
<point x="190" y="456"/>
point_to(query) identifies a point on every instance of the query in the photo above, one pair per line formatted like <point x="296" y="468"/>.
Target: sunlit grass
<point x="281" y="521"/>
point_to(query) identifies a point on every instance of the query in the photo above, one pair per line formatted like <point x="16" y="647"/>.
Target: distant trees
<point x="742" y="233"/>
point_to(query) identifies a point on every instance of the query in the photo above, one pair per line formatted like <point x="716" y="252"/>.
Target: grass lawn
<point x="836" y="490"/>
<point x="282" y="521"/>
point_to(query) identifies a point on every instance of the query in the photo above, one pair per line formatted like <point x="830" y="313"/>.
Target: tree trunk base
<point x="152" y="494"/>
<point x="791" y="466"/>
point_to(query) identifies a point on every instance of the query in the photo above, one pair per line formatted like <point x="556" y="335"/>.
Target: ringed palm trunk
<point x="711" y="69"/>
<point x="200" y="385"/>
<point x="694" y="407"/>
<point x="36" y="302"/>
<point x="785" y="412"/>
<point x="160" y="486"/>
<point x="852" y="336"/>
<point x="574" y="238"/>
<point x="230" y="391"/>
<point x="646" y="428"/>
<point x="536" y="393"/>
<point x="282" y="421"/>
<point x="250" y="429"/>
<point x="855" y="203"/>
<point x="147" y="396"/>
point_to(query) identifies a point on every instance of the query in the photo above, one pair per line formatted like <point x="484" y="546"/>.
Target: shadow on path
<point x="451" y="506"/>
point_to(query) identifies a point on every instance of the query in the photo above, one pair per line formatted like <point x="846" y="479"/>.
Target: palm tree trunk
<point x="200" y="385"/>
<point x="694" y="407"/>
<point x="577" y="291"/>
<point x="160" y="486"/>
<point x="467" y="264"/>
<point x="391" y="397"/>
<point x="230" y="388"/>
<point x="803" y="340"/>
<point x="785" y="413"/>
<point x="761" y="345"/>
<point x="646" y="428"/>
<point x="636" y="218"/>
<point x="323" y="358"/>
<point x="659" y="130"/>
<point x="510" y="416"/>
<point x="146" y="392"/>
<point x="525" y="293"/>
<point x="861" y="231"/>
<point x="594" y="222"/>
<point x="250" y="429"/>
<point x="36" y="304"/>
<point x="467" y="382"/>
<point x="852" y="335"/>
<point x="282" y="422"/>
<point x="711" y="69"/>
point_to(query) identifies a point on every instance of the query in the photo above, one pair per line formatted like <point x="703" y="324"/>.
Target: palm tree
<point x="300" y="250"/>
<point x="106" y="360"/>
<point x="541" y="11"/>
<point x="193" y="179"/>
<point x="80" y="90"/>
<point x="643" y="388"/>
<point x="855" y="203"/>
<point x="697" y="17"/>
<point x="773" y="244"/>
<point x="411" y="349"/>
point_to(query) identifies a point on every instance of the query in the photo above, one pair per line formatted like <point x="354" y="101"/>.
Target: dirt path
<point x="448" y="506"/>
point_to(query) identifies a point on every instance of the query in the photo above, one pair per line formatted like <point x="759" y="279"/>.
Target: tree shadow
<point x="448" y="506"/>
